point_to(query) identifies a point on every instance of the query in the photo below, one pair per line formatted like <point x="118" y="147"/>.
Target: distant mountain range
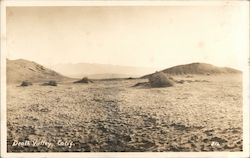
<point x="197" y="68"/>
<point x="20" y="70"/>
<point x="100" y="71"/>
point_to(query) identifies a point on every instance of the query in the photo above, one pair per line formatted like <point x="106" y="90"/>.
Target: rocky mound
<point x="84" y="80"/>
<point x="157" y="80"/>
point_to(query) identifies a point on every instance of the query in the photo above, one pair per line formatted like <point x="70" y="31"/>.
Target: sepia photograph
<point x="126" y="78"/>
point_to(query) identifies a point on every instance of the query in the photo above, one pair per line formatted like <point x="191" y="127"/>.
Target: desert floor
<point x="202" y="114"/>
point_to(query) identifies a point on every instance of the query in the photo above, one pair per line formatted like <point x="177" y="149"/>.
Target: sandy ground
<point x="203" y="114"/>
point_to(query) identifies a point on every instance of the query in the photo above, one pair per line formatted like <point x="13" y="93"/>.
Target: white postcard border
<point x="30" y="3"/>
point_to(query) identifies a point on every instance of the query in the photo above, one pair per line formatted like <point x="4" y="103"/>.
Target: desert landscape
<point x="200" y="109"/>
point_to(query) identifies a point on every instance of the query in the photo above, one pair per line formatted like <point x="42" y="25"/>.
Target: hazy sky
<point x="135" y="36"/>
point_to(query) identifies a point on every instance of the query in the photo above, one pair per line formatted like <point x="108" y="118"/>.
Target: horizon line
<point x="159" y="68"/>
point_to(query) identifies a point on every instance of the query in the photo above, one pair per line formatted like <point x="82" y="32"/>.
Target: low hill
<point x="20" y="70"/>
<point x="197" y="68"/>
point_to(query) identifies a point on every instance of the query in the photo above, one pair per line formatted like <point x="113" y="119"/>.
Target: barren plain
<point x="202" y="114"/>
